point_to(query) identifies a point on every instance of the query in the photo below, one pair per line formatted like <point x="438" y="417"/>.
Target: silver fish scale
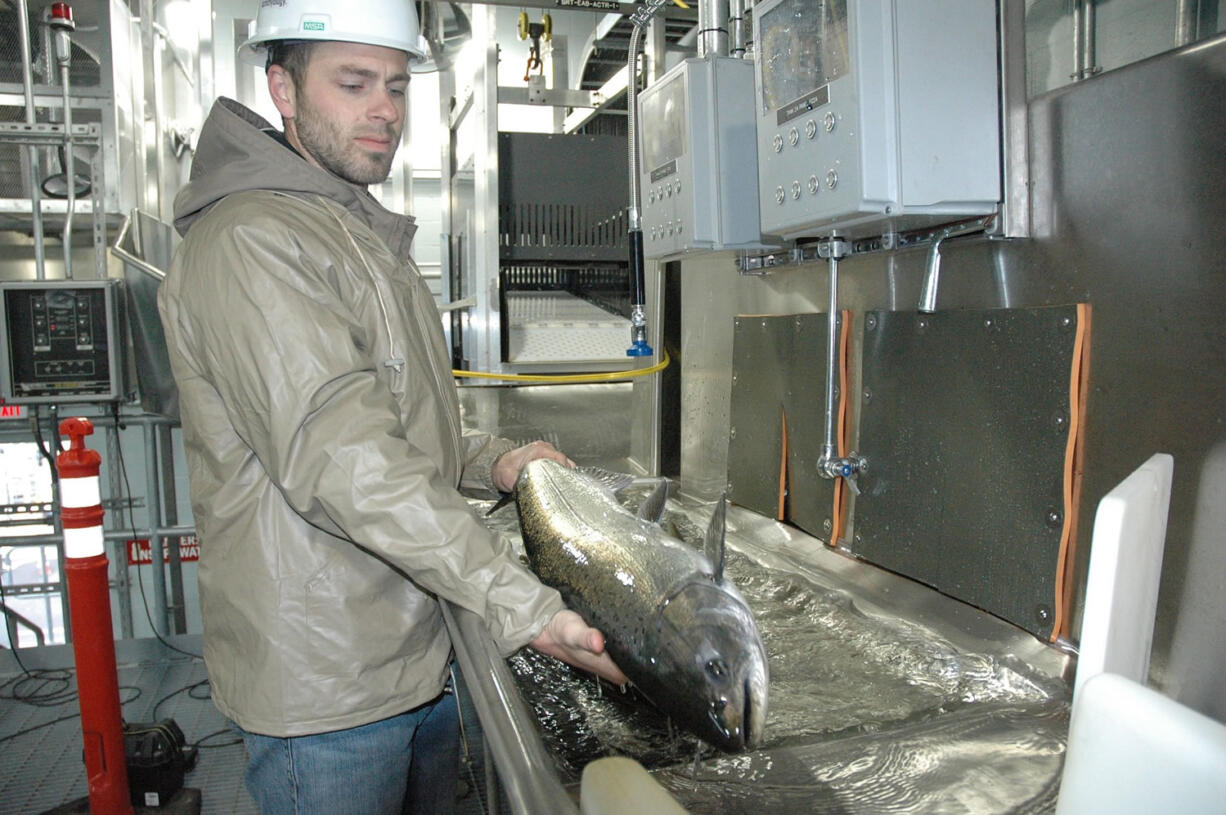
<point x="582" y="542"/>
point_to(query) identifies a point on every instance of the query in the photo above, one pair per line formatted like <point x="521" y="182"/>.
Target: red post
<point x="93" y="640"/>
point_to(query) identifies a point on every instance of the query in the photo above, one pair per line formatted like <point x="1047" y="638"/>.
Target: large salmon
<point x="680" y="631"/>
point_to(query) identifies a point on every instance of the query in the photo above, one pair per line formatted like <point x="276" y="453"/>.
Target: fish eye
<point x="717" y="668"/>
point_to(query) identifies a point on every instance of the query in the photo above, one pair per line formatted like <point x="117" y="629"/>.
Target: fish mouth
<point x="755" y="686"/>
<point x="740" y="729"/>
<point x="747" y="721"/>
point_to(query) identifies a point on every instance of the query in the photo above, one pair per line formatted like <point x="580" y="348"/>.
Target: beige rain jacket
<point x="324" y="448"/>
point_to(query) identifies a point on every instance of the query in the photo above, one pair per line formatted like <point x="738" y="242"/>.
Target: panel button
<point x="810" y="128"/>
<point x="795" y="190"/>
<point x="813" y="185"/>
<point x="779" y="195"/>
<point x="793" y="136"/>
<point x="778" y="142"/>
<point x="830" y="120"/>
<point x="832" y="179"/>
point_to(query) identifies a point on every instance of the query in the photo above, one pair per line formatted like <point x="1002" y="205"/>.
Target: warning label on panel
<point x="603" y="5"/>
<point x="140" y="555"/>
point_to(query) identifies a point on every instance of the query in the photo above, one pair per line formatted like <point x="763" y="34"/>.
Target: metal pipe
<point x="829" y="451"/>
<point x="1084" y="45"/>
<point x="1078" y="41"/>
<point x="713" y="28"/>
<point x="116" y="478"/>
<point x="69" y="171"/>
<point x="60" y="25"/>
<point x="932" y="278"/>
<point x="27" y="81"/>
<point x="638" y="312"/>
<point x="123" y="535"/>
<point x="1090" y="21"/>
<point x="688" y="39"/>
<point x="638" y="282"/>
<point x="1186" y="21"/>
<point x="152" y="501"/>
<point x="736" y="28"/>
<point x="1015" y="122"/>
<point x="635" y="219"/>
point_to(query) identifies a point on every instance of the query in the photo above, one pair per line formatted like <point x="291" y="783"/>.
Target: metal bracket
<point x="46" y="134"/>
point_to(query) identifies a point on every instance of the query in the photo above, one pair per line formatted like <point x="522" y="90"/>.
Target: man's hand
<point x="507" y="466"/>
<point x="568" y="638"/>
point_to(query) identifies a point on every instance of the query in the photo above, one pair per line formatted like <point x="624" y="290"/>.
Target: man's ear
<point x="281" y="89"/>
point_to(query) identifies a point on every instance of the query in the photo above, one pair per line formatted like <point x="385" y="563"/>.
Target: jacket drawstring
<point x="394" y="362"/>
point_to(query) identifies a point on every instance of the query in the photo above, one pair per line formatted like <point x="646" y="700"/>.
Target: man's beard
<point x="335" y="150"/>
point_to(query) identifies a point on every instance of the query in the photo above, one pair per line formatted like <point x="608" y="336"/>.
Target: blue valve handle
<point x="640" y="348"/>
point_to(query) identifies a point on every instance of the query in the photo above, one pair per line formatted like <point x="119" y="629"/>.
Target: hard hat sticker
<point x="314" y="22"/>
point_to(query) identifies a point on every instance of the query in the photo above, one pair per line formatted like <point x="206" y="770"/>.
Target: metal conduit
<point x="1084" y="46"/>
<point x="713" y="28"/>
<point x="736" y="28"/>
<point x="1186" y="22"/>
<point x="27" y="81"/>
<point x="63" y="48"/>
<point x="829" y="451"/>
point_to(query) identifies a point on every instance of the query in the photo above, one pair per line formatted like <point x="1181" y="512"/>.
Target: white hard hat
<point x="390" y="23"/>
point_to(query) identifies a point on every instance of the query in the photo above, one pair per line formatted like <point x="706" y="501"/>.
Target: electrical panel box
<point x="61" y="341"/>
<point x="699" y="178"/>
<point x="875" y="115"/>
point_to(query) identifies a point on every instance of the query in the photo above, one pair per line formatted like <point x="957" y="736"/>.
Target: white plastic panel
<point x="1133" y="751"/>
<point x="1125" y="568"/>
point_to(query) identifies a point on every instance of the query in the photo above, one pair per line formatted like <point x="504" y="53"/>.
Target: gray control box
<point x="699" y="177"/>
<point x="61" y="341"/>
<point x="875" y="115"/>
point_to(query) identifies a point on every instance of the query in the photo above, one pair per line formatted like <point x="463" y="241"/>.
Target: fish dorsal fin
<point x="652" y="509"/>
<point x="610" y="480"/>
<point x="713" y="543"/>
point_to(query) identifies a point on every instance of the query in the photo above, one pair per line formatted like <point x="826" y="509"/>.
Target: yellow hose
<point x="607" y="376"/>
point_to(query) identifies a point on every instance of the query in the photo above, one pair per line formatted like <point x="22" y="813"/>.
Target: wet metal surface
<point x="778" y="370"/>
<point x="884" y="696"/>
<point x="966" y="493"/>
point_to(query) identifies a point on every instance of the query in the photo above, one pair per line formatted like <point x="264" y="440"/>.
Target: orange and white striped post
<point x="89" y="604"/>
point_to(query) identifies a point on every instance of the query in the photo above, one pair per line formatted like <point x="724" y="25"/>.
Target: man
<point x="323" y="438"/>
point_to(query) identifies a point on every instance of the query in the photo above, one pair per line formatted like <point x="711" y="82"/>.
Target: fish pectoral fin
<point x="713" y="542"/>
<point x="502" y="502"/>
<point x="652" y="509"/>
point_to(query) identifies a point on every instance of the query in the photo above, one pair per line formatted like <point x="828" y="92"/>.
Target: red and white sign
<point x="10" y="411"/>
<point x="139" y="554"/>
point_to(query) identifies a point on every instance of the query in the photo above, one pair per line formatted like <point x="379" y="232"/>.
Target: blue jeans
<point x="406" y="764"/>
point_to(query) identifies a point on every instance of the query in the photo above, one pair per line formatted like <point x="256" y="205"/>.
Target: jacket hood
<point x="237" y="152"/>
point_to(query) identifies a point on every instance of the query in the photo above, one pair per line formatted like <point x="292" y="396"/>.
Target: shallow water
<point x="866" y="713"/>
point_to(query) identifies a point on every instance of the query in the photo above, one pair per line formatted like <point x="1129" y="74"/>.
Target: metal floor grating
<point x="555" y="326"/>
<point x="42" y="769"/>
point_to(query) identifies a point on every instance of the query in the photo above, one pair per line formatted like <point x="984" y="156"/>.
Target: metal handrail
<point x="123" y="254"/>
<point x="527" y="772"/>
